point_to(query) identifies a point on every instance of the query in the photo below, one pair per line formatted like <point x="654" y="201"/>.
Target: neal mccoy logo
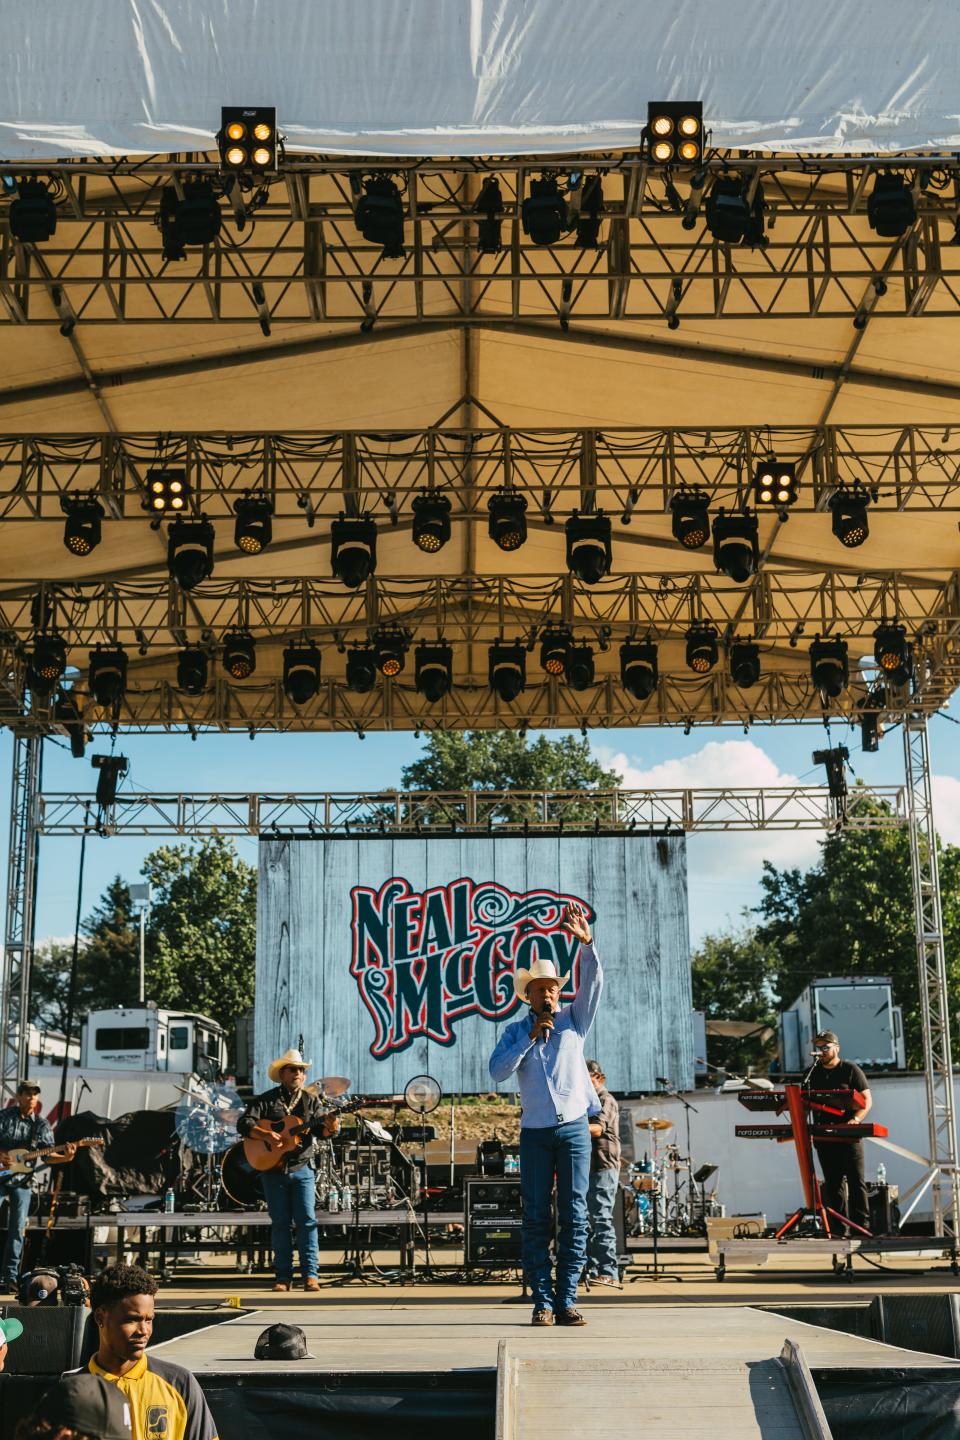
<point x="423" y="960"/>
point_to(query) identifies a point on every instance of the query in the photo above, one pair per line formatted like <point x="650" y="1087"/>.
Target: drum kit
<point x="661" y="1189"/>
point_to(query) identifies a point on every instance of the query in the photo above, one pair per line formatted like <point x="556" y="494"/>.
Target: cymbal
<point x="330" y="1085"/>
<point x="653" y="1123"/>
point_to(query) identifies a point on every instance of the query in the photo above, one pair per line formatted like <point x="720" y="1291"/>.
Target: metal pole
<point x="21" y="903"/>
<point x="932" y="973"/>
<point x="143" y="942"/>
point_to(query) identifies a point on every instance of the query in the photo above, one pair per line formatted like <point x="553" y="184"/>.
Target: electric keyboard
<point x="834" y="1102"/>
<point x="863" y="1130"/>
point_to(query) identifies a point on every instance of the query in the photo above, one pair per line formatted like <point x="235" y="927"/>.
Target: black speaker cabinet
<point x="52" y="1339"/>
<point x="917" y="1322"/>
<point x="494" y="1216"/>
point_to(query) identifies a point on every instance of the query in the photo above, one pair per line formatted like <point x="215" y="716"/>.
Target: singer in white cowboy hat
<point x="545" y="1051"/>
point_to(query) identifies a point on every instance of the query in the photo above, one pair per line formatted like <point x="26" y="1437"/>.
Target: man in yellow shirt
<point x="166" y="1402"/>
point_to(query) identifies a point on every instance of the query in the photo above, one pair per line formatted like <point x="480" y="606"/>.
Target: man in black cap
<point x="22" y="1127"/>
<point x="79" y="1407"/>
<point x="841" y="1160"/>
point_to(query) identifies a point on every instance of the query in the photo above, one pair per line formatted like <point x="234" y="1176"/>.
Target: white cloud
<point x="946" y="807"/>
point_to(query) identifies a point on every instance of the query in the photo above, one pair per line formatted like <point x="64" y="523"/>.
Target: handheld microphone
<point x="547" y="1010"/>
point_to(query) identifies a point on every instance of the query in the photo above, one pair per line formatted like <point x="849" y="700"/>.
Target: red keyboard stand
<point x="813" y="1206"/>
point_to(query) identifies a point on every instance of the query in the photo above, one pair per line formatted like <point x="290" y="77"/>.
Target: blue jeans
<point x="564" y="1151"/>
<point x="602" y="1242"/>
<point x="18" y="1199"/>
<point x="291" y="1198"/>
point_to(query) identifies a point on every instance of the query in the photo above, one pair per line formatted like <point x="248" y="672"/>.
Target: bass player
<point x="290" y="1188"/>
<point x="22" y="1126"/>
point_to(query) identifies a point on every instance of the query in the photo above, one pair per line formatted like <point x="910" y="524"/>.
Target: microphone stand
<point x="669" y="1089"/>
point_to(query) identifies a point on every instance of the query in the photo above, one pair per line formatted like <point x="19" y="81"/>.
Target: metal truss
<point x="21" y="899"/>
<point x="706" y="811"/>
<point x="630" y="471"/>
<point x="933" y="982"/>
<point x="291" y="252"/>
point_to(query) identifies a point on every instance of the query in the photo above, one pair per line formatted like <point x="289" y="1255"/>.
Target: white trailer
<point x="859" y="1009"/>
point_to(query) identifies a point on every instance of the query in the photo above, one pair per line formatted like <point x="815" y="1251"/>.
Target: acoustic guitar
<point x="271" y="1141"/>
<point x="21" y="1159"/>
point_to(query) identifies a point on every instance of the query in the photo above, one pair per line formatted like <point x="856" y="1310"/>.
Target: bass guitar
<point x="21" y="1161"/>
<point x="271" y="1141"/>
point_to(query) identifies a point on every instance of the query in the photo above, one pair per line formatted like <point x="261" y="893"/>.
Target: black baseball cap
<point x="89" y="1404"/>
<point x="282" y="1342"/>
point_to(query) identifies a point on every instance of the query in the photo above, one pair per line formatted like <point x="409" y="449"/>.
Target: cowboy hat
<point x="292" y="1057"/>
<point x="539" y="970"/>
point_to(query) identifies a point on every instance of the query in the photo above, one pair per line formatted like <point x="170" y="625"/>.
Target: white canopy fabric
<point x="472" y="77"/>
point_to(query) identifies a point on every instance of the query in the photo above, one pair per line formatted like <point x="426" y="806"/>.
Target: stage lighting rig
<point x="507" y="524"/>
<point x="589" y="214"/>
<point x="247" y="139"/>
<point x="775" y="484"/>
<point x="390" y="645"/>
<point x="361" y="674"/>
<point x="253" y="528"/>
<point x="107" y="674"/>
<point x="893" y="653"/>
<point x="431" y="521"/>
<point x="434" y="671"/>
<point x="744" y="664"/>
<point x="701" y="648"/>
<point x="111" y="767"/>
<point x="579" y="668"/>
<point x="554" y="647"/>
<point x="639" y="672"/>
<point x="834" y="761"/>
<point x="829" y="666"/>
<point x="353" y="549"/>
<point x="489" y="206"/>
<point x="66" y="712"/>
<point x="890" y="207"/>
<point x="379" y="214"/>
<point x="675" y="132"/>
<point x="192" y="670"/>
<point x="193" y="220"/>
<point x="690" y="518"/>
<point x="239" y="654"/>
<point x="732" y="216"/>
<point x="871" y="730"/>
<point x="167" y="490"/>
<point x="46" y="663"/>
<point x="33" y="215"/>
<point x="848" y="511"/>
<point x="589" y="554"/>
<point x="736" y="550"/>
<point x="544" y="213"/>
<point x="82" y="527"/>
<point x="507" y="669"/>
<point x="301" y="672"/>
<point x="190" y="552"/>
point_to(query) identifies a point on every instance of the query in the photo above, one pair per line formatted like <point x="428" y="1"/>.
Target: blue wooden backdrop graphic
<point x="355" y="963"/>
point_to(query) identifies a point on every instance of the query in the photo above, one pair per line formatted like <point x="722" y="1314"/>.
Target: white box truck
<point x="859" y="1009"/>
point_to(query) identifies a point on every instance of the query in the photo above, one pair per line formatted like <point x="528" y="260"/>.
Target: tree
<point x="50" y="985"/>
<point x="502" y="760"/>
<point x="201" y="936"/>
<point x="733" y="978"/>
<point x="110" y="965"/>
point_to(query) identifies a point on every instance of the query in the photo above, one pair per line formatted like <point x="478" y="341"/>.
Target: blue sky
<point x="723" y="870"/>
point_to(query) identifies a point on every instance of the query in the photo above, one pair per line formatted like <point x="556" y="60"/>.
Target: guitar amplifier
<point x="494" y="1215"/>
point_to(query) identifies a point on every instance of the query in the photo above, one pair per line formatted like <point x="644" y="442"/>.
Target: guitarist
<point x="22" y="1126"/>
<point x="290" y="1188"/>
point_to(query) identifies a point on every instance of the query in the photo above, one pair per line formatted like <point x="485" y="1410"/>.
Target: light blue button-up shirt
<point x="554" y="1084"/>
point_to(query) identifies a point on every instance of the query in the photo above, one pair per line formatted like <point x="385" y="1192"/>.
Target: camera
<point x="57" y="1285"/>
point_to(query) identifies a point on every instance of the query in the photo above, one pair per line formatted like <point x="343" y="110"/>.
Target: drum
<point x="240" y="1182"/>
<point x="643" y="1177"/>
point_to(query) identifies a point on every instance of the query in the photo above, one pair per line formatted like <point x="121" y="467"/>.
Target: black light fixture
<point x="379" y="215"/>
<point x="434" y="671"/>
<point x="33" y="215"/>
<point x="194" y="219"/>
<point x="247" y="139"/>
<point x="829" y="665"/>
<point x="690" y="518"/>
<point x="253" y="528"/>
<point x="590" y="213"/>
<point x="701" y="648"/>
<point x="744" y="664"/>
<point x="167" y="490"/>
<point x="82" y="527"/>
<point x="390" y="650"/>
<point x="848" y="511"/>
<point x="775" y="484"/>
<point x="361" y="673"/>
<point x="353" y="549"/>
<point x="110" y="768"/>
<point x="871" y="730"/>
<point x="675" y="132"/>
<point x="431" y="521"/>
<point x="239" y="654"/>
<point x="890" y="207"/>
<point x="489" y="206"/>
<point x="66" y="712"/>
<point x="736" y="550"/>
<point x="107" y="674"/>
<point x="543" y="213"/>
<point x="190" y="552"/>
<point x="731" y="216"/>
<point x="893" y="653"/>
<point x="554" y="645"/>
<point x="507" y="524"/>
<point x="589" y="553"/>
<point x="193" y="668"/>
<point x="507" y="669"/>
<point x="834" y="762"/>
<point x="639" y="672"/>
<point x="579" y="668"/>
<point x="46" y="663"/>
<point x="301" y="672"/>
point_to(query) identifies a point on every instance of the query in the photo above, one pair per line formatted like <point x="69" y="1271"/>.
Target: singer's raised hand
<point x="575" y="921"/>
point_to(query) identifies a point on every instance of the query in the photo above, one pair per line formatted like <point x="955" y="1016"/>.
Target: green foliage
<point x="733" y="976"/>
<point x="50" y="985"/>
<point x="110" y="966"/>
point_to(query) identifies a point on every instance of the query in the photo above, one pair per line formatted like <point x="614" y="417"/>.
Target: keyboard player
<point x="841" y="1159"/>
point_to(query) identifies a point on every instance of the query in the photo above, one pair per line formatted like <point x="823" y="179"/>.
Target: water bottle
<point x="347" y="1198"/>
<point x="333" y="1199"/>
<point x="169" y="1201"/>
<point x="881" y="1174"/>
